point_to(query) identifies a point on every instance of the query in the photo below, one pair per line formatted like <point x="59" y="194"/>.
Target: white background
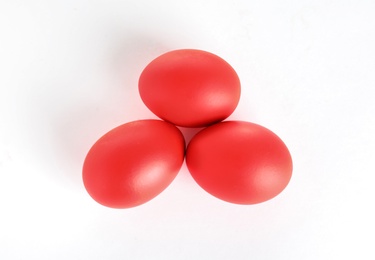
<point x="68" y="74"/>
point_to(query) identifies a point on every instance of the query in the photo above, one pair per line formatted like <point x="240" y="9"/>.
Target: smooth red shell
<point x="239" y="162"/>
<point x="133" y="163"/>
<point x="190" y="88"/>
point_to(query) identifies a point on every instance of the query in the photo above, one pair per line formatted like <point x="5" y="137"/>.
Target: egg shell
<point x="133" y="163"/>
<point x="239" y="162"/>
<point x="190" y="88"/>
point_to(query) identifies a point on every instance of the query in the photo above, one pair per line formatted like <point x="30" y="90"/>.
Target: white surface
<point x="68" y="74"/>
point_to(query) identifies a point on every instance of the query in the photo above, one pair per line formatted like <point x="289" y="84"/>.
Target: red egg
<point x="190" y="88"/>
<point x="133" y="163"/>
<point x="239" y="162"/>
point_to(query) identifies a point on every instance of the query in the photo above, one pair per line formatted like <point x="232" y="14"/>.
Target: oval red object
<point x="239" y="162"/>
<point x="190" y="88"/>
<point x="133" y="163"/>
